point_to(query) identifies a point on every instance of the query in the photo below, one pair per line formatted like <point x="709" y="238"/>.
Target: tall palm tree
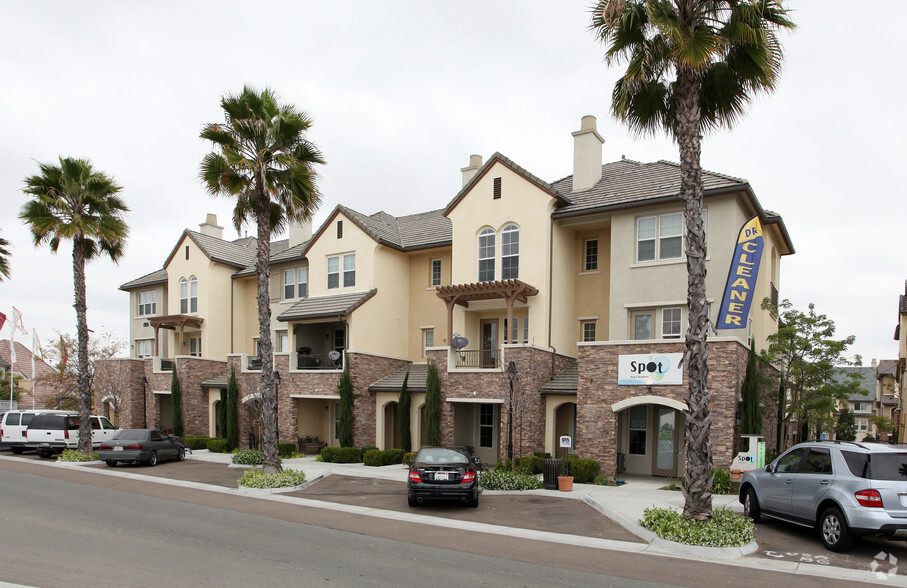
<point x="692" y="66"/>
<point x="4" y="258"/>
<point x="74" y="201"/>
<point x="265" y="162"/>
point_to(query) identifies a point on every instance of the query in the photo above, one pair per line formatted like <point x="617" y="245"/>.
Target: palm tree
<point x="692" y="66"/>
<point x="74" y="201"/>
<point x="265" y="162"/>
<point x="4" y="258"/>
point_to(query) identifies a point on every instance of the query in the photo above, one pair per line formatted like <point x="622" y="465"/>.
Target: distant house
<point x="35" y="395"/>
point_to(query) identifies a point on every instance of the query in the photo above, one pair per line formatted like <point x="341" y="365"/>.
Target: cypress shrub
<point x="231" y="425"/>
<point x="432" y="406"/>
<point x="176" y="402"/>
<point x="345" y="391"/>
<point x="403" y="407"/>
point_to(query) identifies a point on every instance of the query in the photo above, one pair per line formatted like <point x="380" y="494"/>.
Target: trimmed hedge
<point x="196" y="442"/>
<point x="363" y="451"/>
<point x="410" y="457"/>
<point x="373" y="457"/>
<point x="341" y="454"/>
<point x="218" y="446"/>
<point x="501" y="480"/>
<point x="392" y="456"/>
<point x="529" y="464"/>
<point x="376" y="457"/>
<point x="583" y="470"/>
<point x="286" y="449"/>
<point x="247" y="456"/>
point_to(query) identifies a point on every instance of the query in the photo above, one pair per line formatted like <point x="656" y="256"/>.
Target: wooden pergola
<point x="174" y="322"/>
<point x="462" y="294"/>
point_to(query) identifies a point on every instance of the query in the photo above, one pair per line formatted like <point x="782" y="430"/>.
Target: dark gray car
<point x="844" y="489"/>
<point x="146" y="446"/>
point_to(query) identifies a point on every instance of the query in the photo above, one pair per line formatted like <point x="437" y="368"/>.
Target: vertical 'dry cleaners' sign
<point x="741" y="277"/>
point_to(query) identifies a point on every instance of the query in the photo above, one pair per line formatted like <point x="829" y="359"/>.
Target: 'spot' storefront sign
<point x="650" y="369"/>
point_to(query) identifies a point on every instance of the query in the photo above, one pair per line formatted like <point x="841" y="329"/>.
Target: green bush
<point x="217" y="446"/>
<point x="247" y="456"/>
<point x="725" y="529"/>
<point x="602" y="480"/>
<point x="392" y="456"/>
<point x="542" y="455"/>
<point x="284" y="479"/>
<point x="373" y="458"/>
<point x="363" y="451"/>
<point x="286" y="449"/>
<point x="410" y="457"/>
<point x="196" y="442"/>
<point x="721" y="482"/>
<point x="74" y="455"/>
<point x="500" y="480"/>
<point x="529" y="464"/>
<point x="583" y="470"/>
<point x="341" y="455"/>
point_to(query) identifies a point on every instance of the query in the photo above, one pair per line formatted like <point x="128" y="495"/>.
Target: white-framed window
<point x="589" y="328"/>
<point x="513" y="334"/>
<point x="861" y="407"/>
<point x="659" y="237"/>
<point x="147" y="303"/>
<point x="637" y="430"/>
<point x="590" y="256"/>
<point x="486" y="425"/>
<point x="349" y="270"/>
<point x="435" y="272"/>
<point x="144" y="347"/>
<point x="282" y="341"/>
<point x="428" y="340"/>
<point x="510" y="253"/>
<point x="339" y="340"/>
<point x="195" y="346"/>
<point x="670" y="323"/>
<point x="295" y="283"/>
<point x="861" y="424"/>
<point x="486" y="255"/>
<point x="188" y="295"/>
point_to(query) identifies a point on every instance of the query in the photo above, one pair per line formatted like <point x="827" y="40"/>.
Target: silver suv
<point x="844" y="489"/>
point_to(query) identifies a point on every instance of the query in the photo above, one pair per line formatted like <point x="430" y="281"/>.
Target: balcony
<point x="487" y="359"/>
<point x="332" y="360"/>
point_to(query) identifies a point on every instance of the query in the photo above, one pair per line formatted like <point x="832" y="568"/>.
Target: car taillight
<point x="134" y="446"/>
<point x="415" y="477"/>
<point x="105" y="447"/>
<point x="468" y="477"/>
<point x="66" y="434"/>
<point x="870" y="498"/>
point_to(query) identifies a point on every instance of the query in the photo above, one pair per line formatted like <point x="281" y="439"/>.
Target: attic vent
<point x="497" y="188"/>
<point x="340" y="229"/>
<point x="187" y="252"/>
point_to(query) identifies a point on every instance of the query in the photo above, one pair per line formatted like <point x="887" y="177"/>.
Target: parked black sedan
<point x="443" y="473"/>
<point x="146" y="446"/>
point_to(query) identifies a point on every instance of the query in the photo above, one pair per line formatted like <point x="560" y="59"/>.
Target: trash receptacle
<point x="551" y="469"/>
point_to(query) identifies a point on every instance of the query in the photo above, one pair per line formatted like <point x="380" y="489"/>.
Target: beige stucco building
<point x="567" y="280"/>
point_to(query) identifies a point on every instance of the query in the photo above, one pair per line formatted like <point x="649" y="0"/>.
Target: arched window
<point x="486" y="255"/>
<point x="193" y="294"/>
<point x="184" y="296"/>
<point x="510" y="253"/>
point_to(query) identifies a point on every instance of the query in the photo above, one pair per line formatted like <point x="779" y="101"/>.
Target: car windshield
<point x="441" y="455"/>
<point x="131" y="435"/>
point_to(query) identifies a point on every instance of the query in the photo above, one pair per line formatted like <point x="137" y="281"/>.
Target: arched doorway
<point x="391" y="426"/>
<point x="564" y="424"/>
<point x="650" y="437"/>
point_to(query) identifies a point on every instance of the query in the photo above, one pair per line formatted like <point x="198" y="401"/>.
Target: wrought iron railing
<point x="478" y="358"/>
<point x="325" y="361"/>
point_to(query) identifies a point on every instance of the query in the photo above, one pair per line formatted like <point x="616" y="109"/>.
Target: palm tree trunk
<point x="270" y="459"/>
<point x="78" y="278"/>
<point x="697" y="487"/>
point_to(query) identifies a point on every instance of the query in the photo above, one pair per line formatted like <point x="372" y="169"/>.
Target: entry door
<point x="489" y="329"/>
<point x="664" y="457"/>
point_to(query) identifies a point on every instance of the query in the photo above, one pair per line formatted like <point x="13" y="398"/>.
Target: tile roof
<point x="418" y="376"/>
<point x="867" y="384"/>
<point x="280" y="252"/>
<point x="239" y="253"/>
<point x="888" y="367"/>
<point x="631" y="183"/>
<point x="155" y="277"/>
<point x="404" y="233"/>
<point x="326" y="306"/>
<point x="889" y="400"/>
<point x="23" y="361"/>
<point x="219" y="382"/>
<point x="564" y="383"/>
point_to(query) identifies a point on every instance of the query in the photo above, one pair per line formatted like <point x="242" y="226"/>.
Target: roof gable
<point x="238" y="254"/>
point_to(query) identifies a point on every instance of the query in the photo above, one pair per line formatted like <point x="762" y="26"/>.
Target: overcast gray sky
<point x="402" y="93"/>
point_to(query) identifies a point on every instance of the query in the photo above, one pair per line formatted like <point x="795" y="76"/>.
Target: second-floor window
<point x="589" y="331"/>
<point x="486" y="255"/>
<point x="510" y="253"/>
<point x="435" y="272"/>
<point x="590" y="262"/>
<point x="295" y="283"/>
<point x="659" y="237"/>
<point x="428" y="340"/>
<point x="188" y="295"/>
<point x="348" y="271"/>
<point x="147" y="304"/>
<point x="861" y="407"/>
<point x="670" y="323"/>
<point x="143" y="347"/>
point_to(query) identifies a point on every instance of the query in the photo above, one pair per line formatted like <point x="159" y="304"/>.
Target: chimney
<point x="300" y="231"/>
<point x="587" y="155"/>
<point x="475" y="162"/>
<point x="211" y="228"/>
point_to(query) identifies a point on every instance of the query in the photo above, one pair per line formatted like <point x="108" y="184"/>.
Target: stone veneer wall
<point x="365" y="370"/>
<point x="120" y="378"/>
<point x="534" y="369"/>
<point x="598" y="391"/>
<point x="192" y="371"/>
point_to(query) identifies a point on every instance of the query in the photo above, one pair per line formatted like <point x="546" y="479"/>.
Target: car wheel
<point x="17" y="450"/>
<point x="833" y="527"/>
<point x="751" y="505"/>
<point x="152" y="459"/>
<point x="44" y="454"/>
<point x="412" y="501"/>
<point x="473" y="502"/>
<point x="111" y="463"/>
<point x="181" y="454"/>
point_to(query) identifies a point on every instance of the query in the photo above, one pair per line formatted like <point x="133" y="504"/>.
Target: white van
<point x="52" y="433"/>
<point x="14" y="423"/>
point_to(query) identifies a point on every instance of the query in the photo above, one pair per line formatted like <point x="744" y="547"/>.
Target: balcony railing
<point x="478" y="358"/>
<point x="326" y="361"/>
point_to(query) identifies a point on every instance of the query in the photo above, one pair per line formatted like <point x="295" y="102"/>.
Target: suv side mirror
<point x="768" y="469"/>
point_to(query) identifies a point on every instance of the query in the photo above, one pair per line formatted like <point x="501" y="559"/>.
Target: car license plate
<point x="441" y="476"/>
<point x="118" y="448"/>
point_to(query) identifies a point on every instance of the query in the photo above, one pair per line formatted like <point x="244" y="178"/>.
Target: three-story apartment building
<point x="519" y="288"/>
